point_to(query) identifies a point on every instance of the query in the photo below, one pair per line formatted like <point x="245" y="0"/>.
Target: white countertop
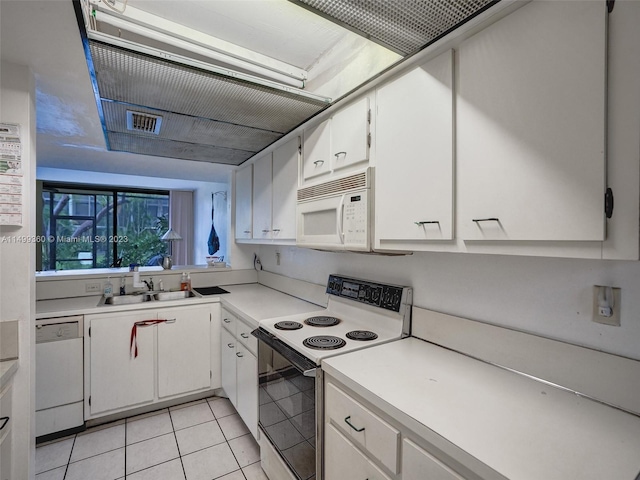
<point x="253" y="302"/>
<point x="520" y="427"/>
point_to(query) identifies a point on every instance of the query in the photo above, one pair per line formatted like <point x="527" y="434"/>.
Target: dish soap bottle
<point x="184" y="285"/>
<point x="123" y="283"/>
<point x="188" y="281"/>
<point x="108" y="288"/>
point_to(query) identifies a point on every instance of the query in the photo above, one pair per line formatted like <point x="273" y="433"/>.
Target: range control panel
<point x="388" y="297"/>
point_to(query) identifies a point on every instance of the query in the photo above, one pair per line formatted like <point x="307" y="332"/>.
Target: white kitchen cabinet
<point x="262" y="197"/>
<point x="184" y="351"/>
<point x="317" y="151"/>
<point x="531" y="125"/>
<point x="228" y="363"/>
<point x="118" y="378"/>
<point x="173" y="357"/>
<point x="243" y="200"/>
<point x="350" y="134"/>
<point x="274" y="193"/>
<point x="338" y="145"/>
<point x="418" y="464"/>
<point x="240" y="368"/>
<point x="414" y="156"/>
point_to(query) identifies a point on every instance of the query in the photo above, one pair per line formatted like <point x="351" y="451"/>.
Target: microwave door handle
<point x="341" y="218"/>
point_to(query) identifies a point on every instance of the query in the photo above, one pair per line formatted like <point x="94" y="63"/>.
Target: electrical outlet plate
<point x="614" y="319"/>
<point x="92" y="287"/>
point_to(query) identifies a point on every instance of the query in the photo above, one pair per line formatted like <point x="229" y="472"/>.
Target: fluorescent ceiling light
<point x="270" y="69"/>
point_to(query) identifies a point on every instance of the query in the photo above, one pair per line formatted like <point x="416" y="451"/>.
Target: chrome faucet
<point x="149" y="284"/>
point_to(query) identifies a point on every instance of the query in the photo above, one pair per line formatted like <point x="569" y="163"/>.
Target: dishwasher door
<point x="59" y="375"/>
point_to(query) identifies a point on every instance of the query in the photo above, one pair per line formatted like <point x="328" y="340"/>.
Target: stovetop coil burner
<point x="361" y="335"/>
<point x="322" y="321"/>
<point x="288" y="325"/>
<point x="324" y="342"/>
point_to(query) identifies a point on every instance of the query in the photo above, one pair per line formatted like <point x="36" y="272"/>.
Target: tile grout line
<point x="227" y="441"/>
<point x="177" y="444"/>
<point x="70" y="453"/>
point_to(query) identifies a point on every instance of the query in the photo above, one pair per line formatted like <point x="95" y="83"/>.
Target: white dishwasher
<point x="59" y="376"/>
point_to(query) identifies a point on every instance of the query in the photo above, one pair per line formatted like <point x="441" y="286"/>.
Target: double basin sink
<point x="140" y="297"/>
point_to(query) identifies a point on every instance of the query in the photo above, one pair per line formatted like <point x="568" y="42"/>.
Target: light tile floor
<point x="202" y="440"/>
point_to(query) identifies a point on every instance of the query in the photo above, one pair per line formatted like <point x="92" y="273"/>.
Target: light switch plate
<point x="614" y="319"/>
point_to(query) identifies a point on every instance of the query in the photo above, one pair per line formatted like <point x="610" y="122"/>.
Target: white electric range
<point x="359" y="314"/>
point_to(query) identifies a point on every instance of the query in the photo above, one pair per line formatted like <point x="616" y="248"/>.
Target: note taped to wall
<point x="10" y="175"/>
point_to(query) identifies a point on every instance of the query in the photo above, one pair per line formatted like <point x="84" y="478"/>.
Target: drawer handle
<point x="247" y="231"/>
<point x="4" y="421"/>
<point x="266" y="231"/>
<point x="244" y="335"/>
<point x="230" y="345"/>
<point x="337" y="155"/>
<point x="346" y="420"/>
<point x="492" y="219"/>
<point x="226" y="320"/>
<point x="420" y="224"/>
<point x="318" y="162"/>
<point x="239" y="354"/>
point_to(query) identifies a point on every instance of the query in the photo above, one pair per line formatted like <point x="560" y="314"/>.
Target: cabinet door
<point x="350" y="135"/>
<point x="184" y="350"/>
<point x="414" y="154"/>
<point x="247" y="378"/>
<point x="5" y="458"/>
<point x="285" y="175"/>
<point x="228" y="366"/>
<point x="262" y="193"/>
<point x="531" y="125"/>
<point x="243" y="192"/>
<point x="418" y="464"/>
<point x="317" y="151"/>
<point x="342" y="460"/>
<point x="118" y="379"/>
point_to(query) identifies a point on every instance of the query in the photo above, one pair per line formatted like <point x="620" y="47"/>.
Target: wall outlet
<point x="92" y="287"/>
<point x="277" y="258"/>
<point x="603" y="314"/>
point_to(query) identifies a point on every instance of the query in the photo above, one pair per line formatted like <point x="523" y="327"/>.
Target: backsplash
<point x="8" y="340"/>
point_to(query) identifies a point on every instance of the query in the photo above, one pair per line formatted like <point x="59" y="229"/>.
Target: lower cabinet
<point x="5" y="432"/>
<point x="363" y="442"/>
<point x="138" y="358"/>
<point x="240" y="368"/>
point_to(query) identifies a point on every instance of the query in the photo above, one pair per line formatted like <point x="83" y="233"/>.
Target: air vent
<point x="143" y="122"/>
<point x="359" y="180"/>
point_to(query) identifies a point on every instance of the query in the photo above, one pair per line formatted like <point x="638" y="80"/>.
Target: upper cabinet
<point x="339" y="142"/>
<point x="270" y="214"/>
<point x="243" y="193"/>
<point x="414" y="156"/>
<point x="531" y="117"/>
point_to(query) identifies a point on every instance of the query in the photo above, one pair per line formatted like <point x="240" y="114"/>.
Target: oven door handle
<point x="310" y="373"/>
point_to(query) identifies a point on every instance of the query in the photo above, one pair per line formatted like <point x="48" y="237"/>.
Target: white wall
<point x="202" y="200"/>
<point x="551" y="297"/>
<point x="17" y="267"/>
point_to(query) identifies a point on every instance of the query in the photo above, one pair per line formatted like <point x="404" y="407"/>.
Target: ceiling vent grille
<point x="143" y="122"/>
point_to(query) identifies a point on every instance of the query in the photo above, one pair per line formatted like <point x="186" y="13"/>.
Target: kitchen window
<point x="93" y="226"/>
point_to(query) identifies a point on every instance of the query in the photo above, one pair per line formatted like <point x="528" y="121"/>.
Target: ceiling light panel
<point x="404" y="26"/>
<point x="137" y="79"/>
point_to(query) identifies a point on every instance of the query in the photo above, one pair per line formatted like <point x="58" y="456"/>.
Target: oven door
<point x="287" y="414"/>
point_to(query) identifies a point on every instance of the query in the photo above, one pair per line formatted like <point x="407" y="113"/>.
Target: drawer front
<point x="229" y="321"/>
<point x="418" y="464"/>
<point x="243" y="334"/>
<point x="342" y="460"/>
<point x="364" y="428"/>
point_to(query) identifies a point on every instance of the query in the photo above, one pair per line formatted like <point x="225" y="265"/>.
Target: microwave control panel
<point x="389" y="297"/>
<point x="356" y="221"/>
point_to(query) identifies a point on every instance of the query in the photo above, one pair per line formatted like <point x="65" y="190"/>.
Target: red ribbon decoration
<point x="133" y="345"/>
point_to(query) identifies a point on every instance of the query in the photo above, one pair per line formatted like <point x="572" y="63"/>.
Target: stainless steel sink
<point x="126" y="299"/>
<point x="173" y="295"/>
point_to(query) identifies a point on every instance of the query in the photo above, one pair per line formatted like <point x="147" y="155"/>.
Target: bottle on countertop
<point x="160" y="286"/>
<point x="123" y="284"/>
<point x="184" y="285"/>
<point x="108" y="288"/>
<point x="188" y="281"/>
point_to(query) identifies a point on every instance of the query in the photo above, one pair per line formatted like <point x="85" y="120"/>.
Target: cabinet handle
<point x="424" y="223"/>
<point x="318" y="162"/>
<point x="226" y="320"/>
<point x="4" y="421"/>
<point x="247" y="231"/>
<point x="244" y="335"/>
<point x="230" y="345"/>
<point x="346" y="420"/>
<point x="266" y="231"/>
<point x="491" y="219"/>
<point x="171" y="320"/>
<point x="239" y="354"/>
<point x="275" y="230"/>
<point x="337" y="155"/>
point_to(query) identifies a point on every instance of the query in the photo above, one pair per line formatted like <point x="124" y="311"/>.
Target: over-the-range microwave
<point x="337" y="214"/>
